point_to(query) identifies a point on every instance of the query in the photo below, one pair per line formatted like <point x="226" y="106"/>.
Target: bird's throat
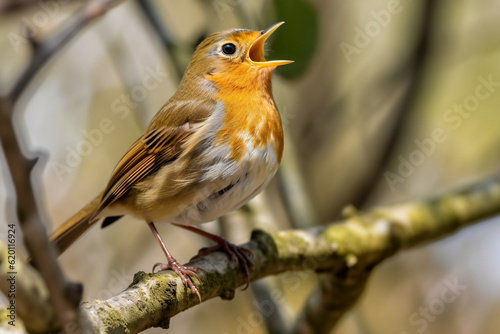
<point x="248" y="106"/>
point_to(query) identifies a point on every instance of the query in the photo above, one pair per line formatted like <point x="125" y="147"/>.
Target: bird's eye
<point x="229" y="48"/>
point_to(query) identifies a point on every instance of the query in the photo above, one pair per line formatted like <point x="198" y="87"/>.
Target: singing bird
<point x="211" y="148"/>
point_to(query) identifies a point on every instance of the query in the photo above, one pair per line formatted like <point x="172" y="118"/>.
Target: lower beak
<point x="256" y="50"/>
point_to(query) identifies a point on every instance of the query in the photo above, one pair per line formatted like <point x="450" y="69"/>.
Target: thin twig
<point x="47" y="48"/>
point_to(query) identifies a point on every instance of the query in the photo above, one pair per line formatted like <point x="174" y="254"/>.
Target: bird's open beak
<point x="256" y="51"/>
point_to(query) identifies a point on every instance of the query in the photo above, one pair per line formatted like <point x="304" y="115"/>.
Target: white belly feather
<point x="235" y="182"/>
<point x="243" y="182"/>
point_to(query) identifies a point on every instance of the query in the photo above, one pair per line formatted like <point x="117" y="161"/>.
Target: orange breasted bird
<point x="211" y="148"/>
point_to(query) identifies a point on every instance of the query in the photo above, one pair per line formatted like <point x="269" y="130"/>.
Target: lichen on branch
<point x="355" y="244"/>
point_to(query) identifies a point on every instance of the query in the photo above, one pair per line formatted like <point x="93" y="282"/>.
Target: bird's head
<point x="234" y="57"/>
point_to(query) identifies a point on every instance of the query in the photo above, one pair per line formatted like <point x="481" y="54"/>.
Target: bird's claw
<point x="186" y="274"/>
<point x="236" y="253"/>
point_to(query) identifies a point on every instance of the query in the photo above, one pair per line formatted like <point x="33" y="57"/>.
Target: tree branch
<point x="348" y="250"/>
<point x="337" y="293"/>
<point x="64" y="296"/>
<point x="43" y="51"/>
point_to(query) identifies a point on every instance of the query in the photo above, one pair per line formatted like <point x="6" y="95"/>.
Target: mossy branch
<point x="353" y="245"/>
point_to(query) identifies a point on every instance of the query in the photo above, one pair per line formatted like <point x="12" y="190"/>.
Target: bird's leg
<point x="185" y="273"/>
<point x="237" y="253"/>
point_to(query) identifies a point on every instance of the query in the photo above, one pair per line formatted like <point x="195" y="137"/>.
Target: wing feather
<point x="147" y="154"/>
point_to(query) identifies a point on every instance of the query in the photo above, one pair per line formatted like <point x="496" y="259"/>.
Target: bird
<point x="213" y="146"/>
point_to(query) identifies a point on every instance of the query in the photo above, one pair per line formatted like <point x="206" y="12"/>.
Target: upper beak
<point x="256" y="50"/>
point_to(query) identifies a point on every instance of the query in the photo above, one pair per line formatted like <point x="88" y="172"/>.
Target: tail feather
<point x="75" y="226"/>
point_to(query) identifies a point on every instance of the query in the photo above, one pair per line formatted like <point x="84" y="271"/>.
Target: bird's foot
<point x="237" y="254"/>
<point x="186" y="273"/>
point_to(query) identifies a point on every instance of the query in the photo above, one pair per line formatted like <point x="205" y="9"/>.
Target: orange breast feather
<point x="249" y="111"/>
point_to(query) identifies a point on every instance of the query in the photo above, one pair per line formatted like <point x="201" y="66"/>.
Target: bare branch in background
<point x="48" y="47"/>
<point x="13" y="5"/>
<point x="416" y="68"/>
<point x="277" y="316"/>
<point x="347" y="250"/>
<point x="163" y="34"/>
<point x="337" y="293"/>
<point x="64" y="296"/>
<point x="292" y="189"/>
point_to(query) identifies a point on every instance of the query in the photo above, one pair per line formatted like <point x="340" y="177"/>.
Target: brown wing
<point x="146" y="155"/>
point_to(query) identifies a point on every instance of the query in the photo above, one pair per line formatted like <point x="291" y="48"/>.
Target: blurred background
<point x="387" y="101"/>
